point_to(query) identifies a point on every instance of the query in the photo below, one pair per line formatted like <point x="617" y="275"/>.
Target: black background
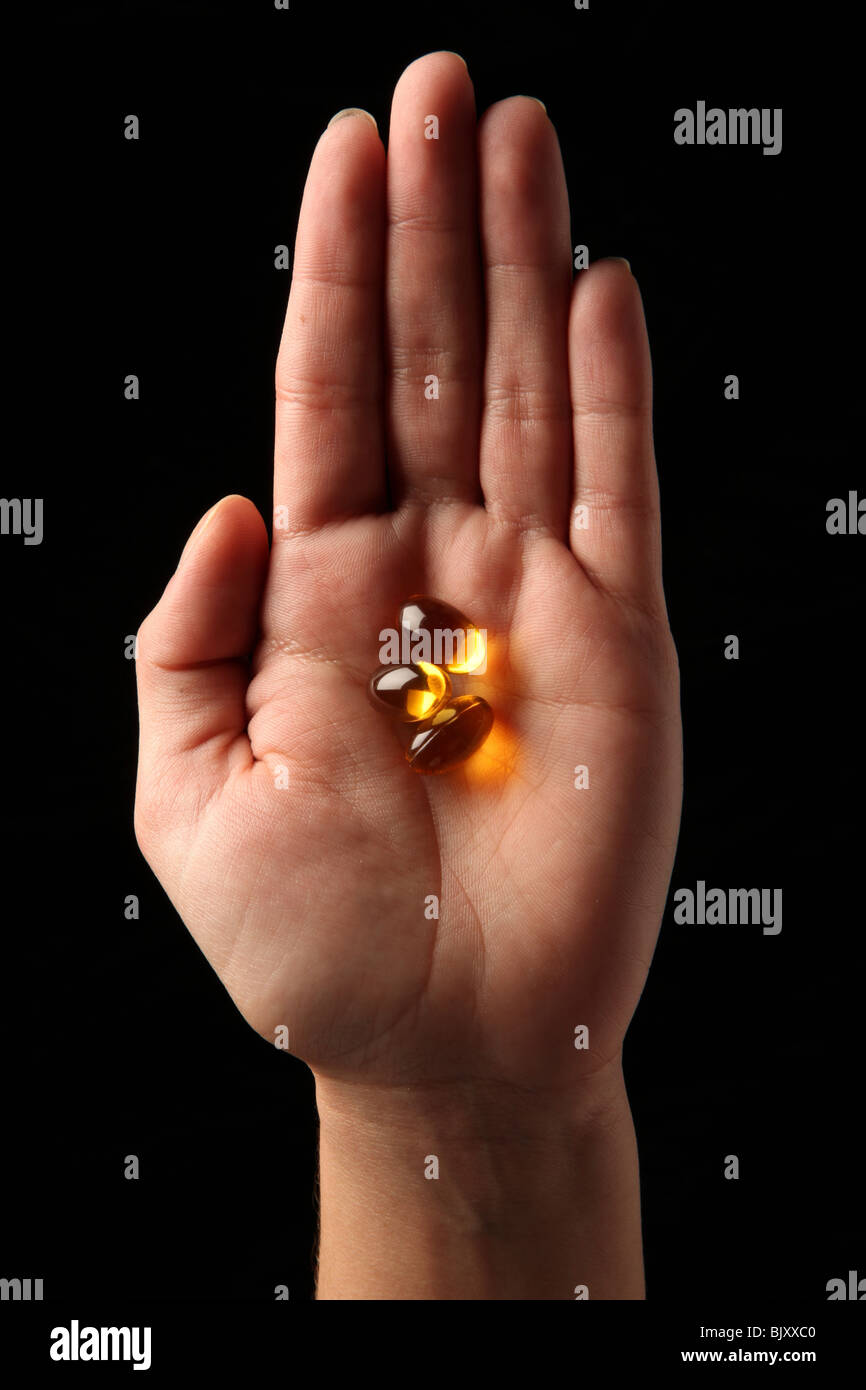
<point x="156" y="257"/>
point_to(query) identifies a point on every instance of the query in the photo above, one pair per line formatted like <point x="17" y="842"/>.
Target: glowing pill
<point x="451" y="735"/>
<point x="439" y="633"/>
<point x="409" y="692"/>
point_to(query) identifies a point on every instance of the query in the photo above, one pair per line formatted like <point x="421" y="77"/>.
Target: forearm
<point x="533" y="1197"/>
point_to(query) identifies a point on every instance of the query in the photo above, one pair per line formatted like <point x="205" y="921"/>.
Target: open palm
<point x="454" y="417"/>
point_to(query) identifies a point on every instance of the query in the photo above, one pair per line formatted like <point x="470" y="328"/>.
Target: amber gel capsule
<point x="451" y="735"/>
<point x="450" y="639"/>
<point x="409" y="692"/>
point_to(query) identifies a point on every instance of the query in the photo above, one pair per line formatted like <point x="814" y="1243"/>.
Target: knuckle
<point x="323" y="396"/>
<point x="518" y="404"/>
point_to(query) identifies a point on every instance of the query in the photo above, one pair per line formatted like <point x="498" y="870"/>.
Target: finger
<point x="193" y="648"/>
<point x="525" y="231"/>
<point x="433" y="284"/>
<point x="615" y="531"/>
<point x="329" y="435"/>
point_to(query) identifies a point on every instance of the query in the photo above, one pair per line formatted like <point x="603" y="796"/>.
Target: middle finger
<point x="433" y="285"/>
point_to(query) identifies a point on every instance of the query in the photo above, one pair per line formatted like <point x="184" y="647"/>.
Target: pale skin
<point x="526" y="495"/>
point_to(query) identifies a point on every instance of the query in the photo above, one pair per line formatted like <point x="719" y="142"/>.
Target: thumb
<point x="192" y="654"/>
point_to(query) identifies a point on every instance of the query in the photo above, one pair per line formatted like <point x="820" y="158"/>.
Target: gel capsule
<point x="451" y="735"/>
<point x="409" y="692"/>
<point x="449" y="639"/>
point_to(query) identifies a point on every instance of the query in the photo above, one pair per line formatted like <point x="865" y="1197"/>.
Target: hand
<point x="309" y="901"/>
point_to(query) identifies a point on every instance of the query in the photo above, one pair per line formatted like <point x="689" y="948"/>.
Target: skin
<point x="451" y="1037"/>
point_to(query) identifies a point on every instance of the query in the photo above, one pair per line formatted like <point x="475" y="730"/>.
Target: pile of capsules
<point x="448" y="728"/>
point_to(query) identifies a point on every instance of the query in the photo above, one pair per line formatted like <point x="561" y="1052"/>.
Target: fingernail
<point x="352" y="111"/>
<point x="622" y="259"/>
<point x="538" y="99"/>
<point x="206" y="519"/>
<point x="457" y="55"/>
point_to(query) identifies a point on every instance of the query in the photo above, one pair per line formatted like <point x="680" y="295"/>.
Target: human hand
<point x="309" y="901"/>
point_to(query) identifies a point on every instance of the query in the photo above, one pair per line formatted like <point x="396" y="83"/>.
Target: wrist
<point x="470" y="1110"/>
<point x="471" y="1190"/>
